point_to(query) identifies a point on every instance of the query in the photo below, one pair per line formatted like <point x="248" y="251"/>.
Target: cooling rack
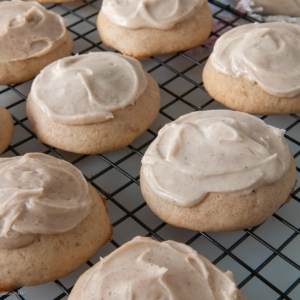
<point x="265" y="260"/>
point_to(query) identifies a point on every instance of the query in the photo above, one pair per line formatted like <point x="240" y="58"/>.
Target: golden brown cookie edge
<point x="241" y="94"/>
<point x="220" y="212"/>
<point x="58" y="254"/>
<point x="19" y="71"/>
<point x="127" y="125"/>
<point x="142" y="43"/>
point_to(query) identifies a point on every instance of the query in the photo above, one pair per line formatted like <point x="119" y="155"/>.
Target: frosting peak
<point x="135" y="14"/>
<point x="39" y="194"/>
<point x="214" y="151"/>
<point x="88" y="88"/>
<point x="28" y="30"/>
<point x="146" y="269"/>
<point x="265" y="53"/>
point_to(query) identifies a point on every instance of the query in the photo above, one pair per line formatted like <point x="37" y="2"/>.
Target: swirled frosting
<point x="28" y="30"/>
<point x="265" y="53"/>
<point x="86" y="89"/>
<point x="214" y="151"/>
<point x="146" y="269"/>
<point x="135" y="14"/>
<point x="39" y="194"/>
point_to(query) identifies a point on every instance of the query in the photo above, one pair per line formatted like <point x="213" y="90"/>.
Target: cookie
<point x="149" y="269"/>
<point x="31" y="37"/>
<point x="144" y="28"/>
<point x="255" y="68"/>
<point x="92" y="103"/>
<point x="217" y="171"/>
<point x="52" y="221"/>
<point x="6" y="128"/>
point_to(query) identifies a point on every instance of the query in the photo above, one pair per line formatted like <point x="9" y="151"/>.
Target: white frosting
<point x="279" y="7"/>
<point x="265" y="53"/>
<point x="39" y="194"/>
<point x="145" y="269"/>
<point x="28" y="30"/>
<point x="86" y="89"/>
<point x="214" y="151"/>
<point x="135" y="14"/>
<point x="272" y="7"/>
<point x="277" y="18"/>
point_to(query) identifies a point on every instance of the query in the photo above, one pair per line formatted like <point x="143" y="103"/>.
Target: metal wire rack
<point x="264" y="260"/>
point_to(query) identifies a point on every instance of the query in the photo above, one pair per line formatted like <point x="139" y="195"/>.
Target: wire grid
<point x="264" y="259"/>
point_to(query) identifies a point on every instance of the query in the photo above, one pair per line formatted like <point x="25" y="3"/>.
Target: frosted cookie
<point x="31" y="37"/>
<point x="143" y="28"/>
<point x="6" y="128"/>
<point x="255" y="68"/>
<point x="149" y="269"/>
<point x="51" y="220"/>
<point x="92" y="103"/>
<point x="217" y="170"/>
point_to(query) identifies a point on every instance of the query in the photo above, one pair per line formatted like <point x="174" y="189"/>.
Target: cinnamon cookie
<point x="31" y="37"/>
<point x="145" y="28"/>
<point x="217" y="171"/>
<point x="52" y="221"/>
<point x="149" y="269"/>
<point x="255" y="68"/>
<point x="92" y="103"/>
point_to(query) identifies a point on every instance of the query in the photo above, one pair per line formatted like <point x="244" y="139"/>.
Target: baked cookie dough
<point x="255" y="68"/>
<point x="92" y="103"/>
<point x="143" y="28"/>
<point x="31" y="37"/>
<point x="52" y="221"/>
<point x="149" y="269"/>
<point x="6" y="128"/>
<point x="217" y="171"/>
